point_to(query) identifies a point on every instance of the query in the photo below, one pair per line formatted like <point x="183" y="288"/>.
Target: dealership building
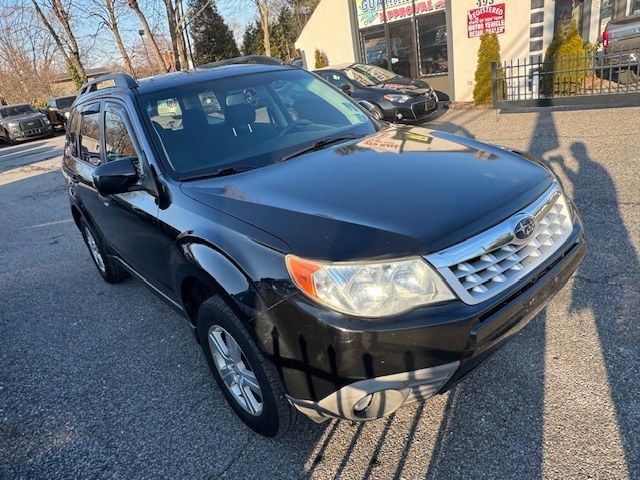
<point x="438" y="39"/>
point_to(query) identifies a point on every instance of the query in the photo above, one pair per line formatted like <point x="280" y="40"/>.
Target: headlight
<point x="46" y="121"/>
<point x="66" y="114"/>
<point x="13" y="125"/>
<point x="396" y="98"/>
<point x="371" y="289"/>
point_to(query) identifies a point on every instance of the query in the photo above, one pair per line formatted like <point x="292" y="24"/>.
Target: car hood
<point x="23" y="118"/>
<point x="405" y="85"/>
<point x="401" y="191"/>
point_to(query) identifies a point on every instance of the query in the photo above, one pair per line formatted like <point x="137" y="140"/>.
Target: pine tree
<point x="252" y="40"/>
<point x="212" y="38"/>
<point x="488" y="53"/>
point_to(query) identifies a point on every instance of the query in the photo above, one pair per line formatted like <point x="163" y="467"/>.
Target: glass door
<point x="402" y="49"/>
<point x="374" y="45"/>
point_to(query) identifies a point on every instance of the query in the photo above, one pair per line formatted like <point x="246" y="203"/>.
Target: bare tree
<point x="106" y="13"/>
<point x="74" y="52"/>
<point x="27" y="56"/>
<point x="72" y="59"/>
<point x="133" y="4"/>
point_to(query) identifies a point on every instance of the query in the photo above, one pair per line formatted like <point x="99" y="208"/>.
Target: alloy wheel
<point x="234" y="368"/>
<point x="94" y="250"/>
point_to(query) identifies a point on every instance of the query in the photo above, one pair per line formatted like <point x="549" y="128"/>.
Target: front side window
<point x="247" y="121"/>
<point x="90" y="135"/>
<point x="118" y="143"/>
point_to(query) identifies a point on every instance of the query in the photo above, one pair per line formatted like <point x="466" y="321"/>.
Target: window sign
<point x="369" y="13"/>
<point x="488" y="19"/>
<point x="428" y="6"/>
<point x="398" y="9"/>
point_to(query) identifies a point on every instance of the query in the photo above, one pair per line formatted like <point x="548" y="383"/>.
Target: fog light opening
<point x="363" y="403"/>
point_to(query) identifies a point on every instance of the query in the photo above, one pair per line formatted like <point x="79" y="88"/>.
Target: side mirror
<point x="346" y="88"/>
<point x="117" y="176"/>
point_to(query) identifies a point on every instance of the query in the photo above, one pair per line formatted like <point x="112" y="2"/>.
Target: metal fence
<point x="586" y="75"/>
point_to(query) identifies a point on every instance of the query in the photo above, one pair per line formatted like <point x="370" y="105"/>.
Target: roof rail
<point x="255" y="59"/>
<point x="119" y="79"/>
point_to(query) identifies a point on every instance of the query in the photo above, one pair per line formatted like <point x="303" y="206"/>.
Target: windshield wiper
<point x="219" y="173"/>
<point x="320" y="144"/>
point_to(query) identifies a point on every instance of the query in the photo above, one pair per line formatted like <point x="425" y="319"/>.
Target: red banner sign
<point x="488" y="19"/>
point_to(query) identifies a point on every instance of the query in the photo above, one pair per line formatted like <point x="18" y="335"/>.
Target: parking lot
<point x="101" y="380"/>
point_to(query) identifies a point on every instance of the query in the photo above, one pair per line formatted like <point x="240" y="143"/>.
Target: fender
<point x="215" y="270"/>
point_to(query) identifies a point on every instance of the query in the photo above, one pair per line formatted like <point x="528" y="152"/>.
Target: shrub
<point x="321" y="59"/>
<point x="488" y="53"/>
<point x="565" y="63"/>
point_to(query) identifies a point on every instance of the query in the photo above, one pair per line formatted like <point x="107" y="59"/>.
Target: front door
<point x="128" y="221"/>
<point x="402" y="49"/>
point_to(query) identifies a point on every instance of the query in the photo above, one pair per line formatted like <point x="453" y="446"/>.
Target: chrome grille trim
<point x="487" y="264"/>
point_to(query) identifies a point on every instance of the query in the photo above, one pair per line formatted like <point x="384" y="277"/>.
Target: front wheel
<point x="248" y="381"/>
<point x="377" y="113"/>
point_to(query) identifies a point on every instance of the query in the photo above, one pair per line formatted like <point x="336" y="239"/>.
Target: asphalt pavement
<point x="105" y="381"/>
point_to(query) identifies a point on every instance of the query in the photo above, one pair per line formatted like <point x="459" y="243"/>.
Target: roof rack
<point x="255" y="59"/>
<point x="119" y="79"/>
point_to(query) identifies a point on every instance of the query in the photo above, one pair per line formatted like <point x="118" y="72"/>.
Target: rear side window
<point x="90" y="136"/>
<point x="72" y="129"/>
<point x="118" y="143"/>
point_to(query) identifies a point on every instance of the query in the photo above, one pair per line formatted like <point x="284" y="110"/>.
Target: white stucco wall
<point x="514" y="42"/>
<point x="328" y="29"/>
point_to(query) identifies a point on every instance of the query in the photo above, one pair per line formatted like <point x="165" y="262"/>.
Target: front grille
<point x="30" y="125"/>
<point x="485" y="265"/>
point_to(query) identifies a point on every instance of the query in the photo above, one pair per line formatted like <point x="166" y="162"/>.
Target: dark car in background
<point x="57" y="110"/>
<point x="23" y="122"/>
<point x="328" y="263"/>
<point x="395" y="98"/>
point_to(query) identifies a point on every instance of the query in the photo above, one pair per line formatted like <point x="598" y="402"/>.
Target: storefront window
<point x="375" y="47"/>
<point x="432" y="44"/>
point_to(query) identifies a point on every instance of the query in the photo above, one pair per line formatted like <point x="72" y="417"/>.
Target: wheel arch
<point x="208" y="272"/>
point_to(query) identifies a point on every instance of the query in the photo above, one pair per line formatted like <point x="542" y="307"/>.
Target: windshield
<point x="16" y="110"/>
<point x="247" y="121"/>
<point x="369" y="75"/>
<point x="65" y="102"/>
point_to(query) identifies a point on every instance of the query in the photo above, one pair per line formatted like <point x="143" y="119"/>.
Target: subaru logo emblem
<point x="524" y="228"/>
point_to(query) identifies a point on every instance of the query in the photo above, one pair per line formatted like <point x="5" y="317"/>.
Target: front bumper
<point x="33" y="133"/>
<point x="329" y="361"/>
<point x="493" y="330"/>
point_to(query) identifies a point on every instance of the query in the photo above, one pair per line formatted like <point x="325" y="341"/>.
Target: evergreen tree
<point x="212" y="38"/>
<point x="252" y="40"/>
<point x="488" y="53"/>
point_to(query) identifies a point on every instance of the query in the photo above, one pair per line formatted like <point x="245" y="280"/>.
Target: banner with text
<point x="488" y="19"/>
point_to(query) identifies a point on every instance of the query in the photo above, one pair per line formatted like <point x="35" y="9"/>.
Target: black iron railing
<point x="596" y="73"/>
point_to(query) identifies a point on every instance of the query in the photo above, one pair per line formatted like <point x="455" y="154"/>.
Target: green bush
<point x="488" y="53"/>
<point x="321" y="59"/>
<point x="566" y="63"/>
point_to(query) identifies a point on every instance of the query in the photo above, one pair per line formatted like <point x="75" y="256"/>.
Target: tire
<point x="110" y="269"/>
<point x="9" y="138"/>
<point x="276" y="415"/>
<point x="377" y="113"/>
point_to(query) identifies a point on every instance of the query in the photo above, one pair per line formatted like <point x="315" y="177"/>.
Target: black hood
<point x="29" y="117"/>
<point x="401" y="191"/>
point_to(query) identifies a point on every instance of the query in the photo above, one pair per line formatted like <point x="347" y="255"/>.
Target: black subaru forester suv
<point x="329" y="264"/>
